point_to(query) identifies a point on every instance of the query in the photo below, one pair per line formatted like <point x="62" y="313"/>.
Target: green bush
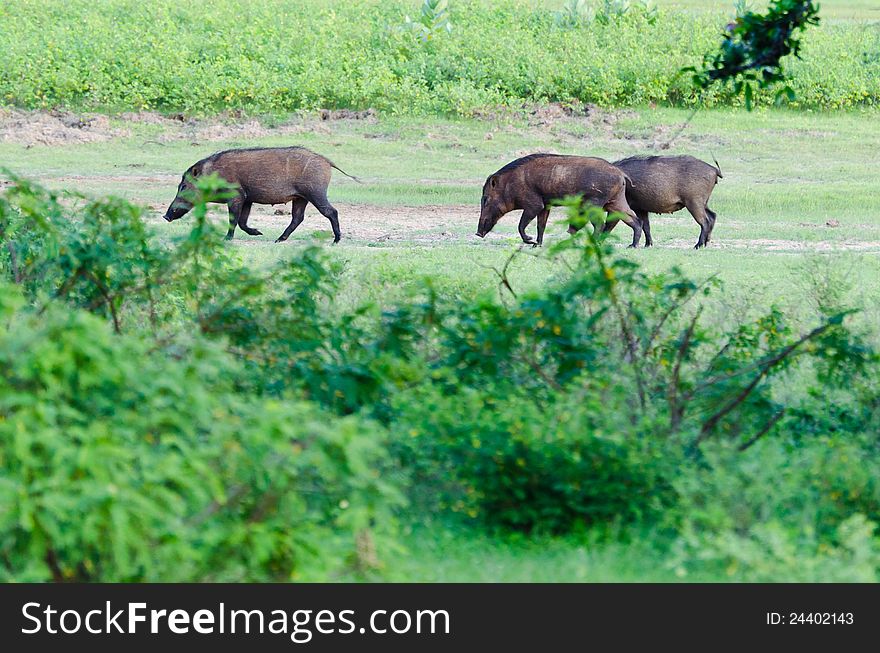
<point x="508" y="461"/>
<point x="117" y="464"/>
<point x="774" y="552"/>
<point x="817" y="484"/>
<point x="798" y="512"/>
<point x="275" y="56"/>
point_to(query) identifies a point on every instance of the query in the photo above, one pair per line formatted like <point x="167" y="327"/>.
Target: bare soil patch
<point x="235" y="127"/>
<point x="779" y="245"/>
<point x="577" y="123"/>
<point x="422" y="224"/>
<point x="55" y="128"/>
<point x="232" y="128"/>
<point x="435" y="225"/>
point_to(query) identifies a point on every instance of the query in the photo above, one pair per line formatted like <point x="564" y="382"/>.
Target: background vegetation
<point x="280" y="56"/>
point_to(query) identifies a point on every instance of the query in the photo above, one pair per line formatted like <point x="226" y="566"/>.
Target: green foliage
<point x="772" y="552"/>
<point x="578" y="13"/>
<point x="609" y="11"/>
<point x="805" y="511"/>
<point x="276" y="56"/>
<point x="553" y="465"/>
<point x="753" y="46"/>
<point x="119" y="464"/>
<point x="433" y="21"/>
<point x="574" y="13"/>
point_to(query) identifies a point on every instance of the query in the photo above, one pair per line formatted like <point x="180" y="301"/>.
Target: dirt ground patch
<point x="779" y="245"/>
<point x="434" y="225"/>
<point x="55" y="128"/>
<point x="375" y="224"/>
<point x="570" y="122"/>
<point x="578" y="122"/>
<point x="52" y="128"/>
<point x="231" y="128"/>
<point x="235" y="126"/>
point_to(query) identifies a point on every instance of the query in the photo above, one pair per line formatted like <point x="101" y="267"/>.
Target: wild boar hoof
<point x="279" y="239"/>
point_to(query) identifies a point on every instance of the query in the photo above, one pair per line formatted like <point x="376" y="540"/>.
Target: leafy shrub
<point x="121" y="465"/>
<point x="614" y="351"/>
<point x="753" y="46"/>
<point x="574" y="13"/>
<point x="817" y="484"/>
<point x="432" y="21"/>
<point x="277" y="56"/>
<point x="783" y="511"/>
<point x="509" y="461"/>
<point x="773" y="552"/>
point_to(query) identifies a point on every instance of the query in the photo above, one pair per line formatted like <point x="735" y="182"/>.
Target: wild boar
<point x="534" y="181"/>
<point x="666" y="184"/>
<point x="264" y="175"/>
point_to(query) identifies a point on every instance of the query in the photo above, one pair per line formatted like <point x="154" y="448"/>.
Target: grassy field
<point x="787" y="177"/>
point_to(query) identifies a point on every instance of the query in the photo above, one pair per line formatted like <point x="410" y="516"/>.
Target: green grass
<point x="452" y="554"/>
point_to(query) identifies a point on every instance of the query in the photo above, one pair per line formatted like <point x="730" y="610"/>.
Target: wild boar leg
<point x="712" y="216"/>
<point x="234" y="205"/>
<point x="297" y="214"/>
<point x="542" y="224"/>
<point x="527" y="216"/>
<point x="609" y="226"/>
<point x="243" y="218"/>
<point x="646" y="227"/>
<point x="619" y="205"/>
<point x="320" y="202"/>
<point x="699" y="213"/>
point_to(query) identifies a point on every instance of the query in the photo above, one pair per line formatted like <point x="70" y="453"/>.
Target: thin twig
<point x="502" y="274"/>
<point x="13" y="260"/>
<point x="540" y="372"/>
<point x="683" y="126"/>
<point x="676" y="407"/>
<point x="710" y="424"/>
<point x="659" y="326"/>
<point x="769" y="425"/>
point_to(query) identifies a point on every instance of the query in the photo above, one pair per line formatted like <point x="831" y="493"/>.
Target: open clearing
<point x="797" y="185"/>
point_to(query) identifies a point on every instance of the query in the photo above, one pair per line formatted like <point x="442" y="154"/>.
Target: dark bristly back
<point x="518" y="163"/>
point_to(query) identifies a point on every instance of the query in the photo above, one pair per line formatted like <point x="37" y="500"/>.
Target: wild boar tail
<point x="333" y="165"/>
<point x="717" y="167"/>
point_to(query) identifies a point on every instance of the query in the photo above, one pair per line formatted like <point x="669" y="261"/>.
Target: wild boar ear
<point x="196" y="170"/>
<point x="493" y="182"/>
